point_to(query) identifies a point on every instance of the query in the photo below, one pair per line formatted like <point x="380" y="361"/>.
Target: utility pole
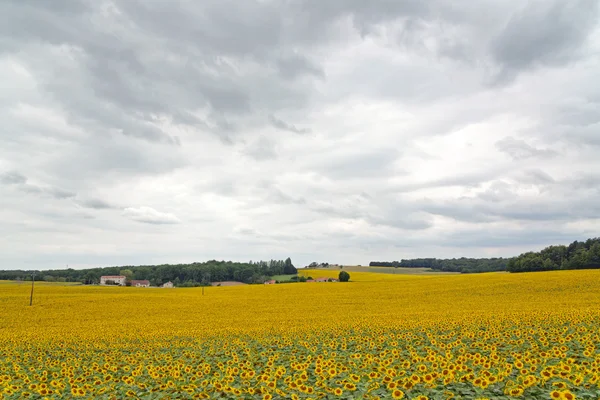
<point x="32" y="280"/>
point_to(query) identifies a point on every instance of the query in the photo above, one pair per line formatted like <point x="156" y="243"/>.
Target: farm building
<point x="113" y="280"/>
<point x="324" y="279"/>
<point x="167" y="285"/>
<point x="140" y="283"/>
<point x="270" y="282"/>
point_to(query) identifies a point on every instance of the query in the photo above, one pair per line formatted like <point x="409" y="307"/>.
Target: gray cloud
<point x="278" y="196"/>
<point x="503" y="202"/>
<point x="60" y="193"/>
<point x="97" y="204"/>
<point x="536" y="176"/>
<point x="359" y="164"/>
<point x="519" y="149"/>
<point x="277" y="123"/>
<point x="544" y="32"/>
<point x="293" y="66"/>
<point x="20" y="181"/>
<point x="261" y="149"/>
<point x="534" y="239"/>
<point x="12" y="178"/>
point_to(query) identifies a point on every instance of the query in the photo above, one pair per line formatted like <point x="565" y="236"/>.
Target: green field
<point x="283" y="278"/>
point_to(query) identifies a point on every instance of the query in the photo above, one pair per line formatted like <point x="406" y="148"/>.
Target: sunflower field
<point x="379" y="336"/>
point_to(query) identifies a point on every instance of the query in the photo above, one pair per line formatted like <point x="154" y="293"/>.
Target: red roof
<point x="322" y="279"/>
<point x="113" y="277"/>
<point x="140" y="282"/>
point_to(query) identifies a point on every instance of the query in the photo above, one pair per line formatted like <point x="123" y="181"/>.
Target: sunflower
<point x="397" y="394"/>
<point x="567" y="395"/>
<point x="516" y="392"/>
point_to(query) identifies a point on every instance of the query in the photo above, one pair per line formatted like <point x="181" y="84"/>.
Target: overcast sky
<point x="346" y="131"/>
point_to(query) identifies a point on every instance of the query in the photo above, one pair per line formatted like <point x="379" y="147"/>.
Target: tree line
<point x="462" y="265"/>
<point x="194" y="274"/>
<point x="577" y="255"/>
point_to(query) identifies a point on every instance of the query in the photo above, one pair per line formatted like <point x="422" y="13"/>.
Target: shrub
<point x="344" y="276"/>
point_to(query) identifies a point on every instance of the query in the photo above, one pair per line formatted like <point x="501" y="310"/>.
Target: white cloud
<point x="150" y="216"/>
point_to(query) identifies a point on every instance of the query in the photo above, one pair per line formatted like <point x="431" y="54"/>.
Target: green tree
<point x="594" y="255"/>
<point x="288" y="267"/>
<point x="344" y="276"/>
<point x="580" y="259"/>
<point x="127" y="273"/>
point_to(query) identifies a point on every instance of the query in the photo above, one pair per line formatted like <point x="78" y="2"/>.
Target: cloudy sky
<point x="141" y="132"/>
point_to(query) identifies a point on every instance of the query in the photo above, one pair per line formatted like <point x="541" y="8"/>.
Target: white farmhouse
<point x="113" y="280"/>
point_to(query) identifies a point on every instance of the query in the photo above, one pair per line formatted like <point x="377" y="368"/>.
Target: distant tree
<point x="594" y="254"/>
<point x="179" y="274"/>
<point x="128" y="274"/>
<point x="344" y="276"/>
<point x="288" y="267"/>
<point x="579" y="259"/>
<point x="577" y="255"/>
